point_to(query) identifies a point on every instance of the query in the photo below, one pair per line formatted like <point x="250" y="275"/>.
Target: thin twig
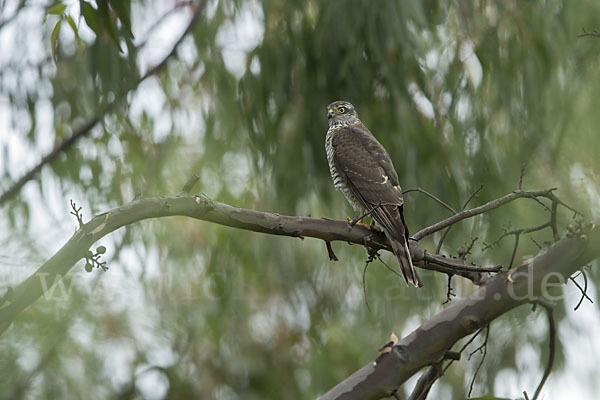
<point x="484" y="347"/>
<point x="447" y="231"/>
<point x="387" y="266"/>
<point x="541" y="203"/>
<point x="539" y="246"/>
<point x="583" y="290"/>
<point x="190" y="184"/>
<point x="330" y="253"/>
<point x="594" y="33"/>
<point x="521" y="176"/>
<point x="553" y="214"/>
<point x="449" y="292"/>
<point x="464" y="252"/>
<point x="514" y="252"/>
<point x="372" y="255"/>
<point x="160" y="21"/>
<point x="517" y="194"/>
<point x="553" y="197"/>
<point x="438" y="248"/>
<point x="191" y="25"/>
<point x="426" y="381"/>
<point x="516" y="232"/>
<point x="467" y="343"/>
<point x="76" y="211"/>
<point x="552" y="346"/>
<point x="456" y="264"/>
<point x="418" y="189"/>
<point x="471" y="197"/>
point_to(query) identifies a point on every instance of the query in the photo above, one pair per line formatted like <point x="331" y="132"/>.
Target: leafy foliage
<point x="460" y="93"/>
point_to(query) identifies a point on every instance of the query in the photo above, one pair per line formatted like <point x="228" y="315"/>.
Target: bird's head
<point x="341" y="113"/>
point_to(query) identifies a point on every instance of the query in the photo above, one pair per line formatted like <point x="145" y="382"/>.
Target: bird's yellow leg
<point x="374" y="227"/>
<point x="356" y="221"/>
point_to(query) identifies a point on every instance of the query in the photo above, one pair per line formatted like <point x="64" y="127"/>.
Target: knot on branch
<point x="580" y="229"/>
<point x="205" y="202"/>
<point x="471" y="323"/>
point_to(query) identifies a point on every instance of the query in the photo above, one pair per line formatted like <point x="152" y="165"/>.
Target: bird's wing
<point x="367" y="167"/>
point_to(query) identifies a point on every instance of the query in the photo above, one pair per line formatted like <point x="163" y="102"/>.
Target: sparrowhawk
<point x="362" y="169"/>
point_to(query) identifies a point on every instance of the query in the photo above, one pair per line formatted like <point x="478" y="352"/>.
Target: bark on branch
<point x="203" y="208"/>
<point x="427" y="344"/>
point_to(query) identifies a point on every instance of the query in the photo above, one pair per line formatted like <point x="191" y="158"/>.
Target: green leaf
<point x="104" y="12"/>
<point x="123" y="10"/>
<point x="75" y="31"/>
<point x="54" y="39"/>
<point x="90" y="14"/>
<point x="57" y="9"/>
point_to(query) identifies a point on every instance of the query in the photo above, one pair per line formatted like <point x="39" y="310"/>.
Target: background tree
<point x="136" y="97"/>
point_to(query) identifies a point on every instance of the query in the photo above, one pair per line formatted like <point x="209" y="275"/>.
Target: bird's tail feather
<point x="403" y="255"/>
<point x="390" y="218"/>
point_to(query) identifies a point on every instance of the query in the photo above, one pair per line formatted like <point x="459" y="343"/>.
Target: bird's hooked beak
<point x="330" y="113"/>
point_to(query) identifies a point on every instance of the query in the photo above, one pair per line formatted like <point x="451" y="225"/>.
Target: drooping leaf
<point x="54" y="39"/>
<point x="57" y="9"/>
<point x="74" y="28"/>
<point x="123" y="10"/>
<point x="107" y="21"/>
<point x="90" y="14"/>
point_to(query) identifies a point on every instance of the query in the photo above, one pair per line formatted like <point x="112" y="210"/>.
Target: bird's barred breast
<point x="338" y="181"/>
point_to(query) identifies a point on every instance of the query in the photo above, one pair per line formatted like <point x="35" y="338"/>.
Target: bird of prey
<point x="362" y="170"/>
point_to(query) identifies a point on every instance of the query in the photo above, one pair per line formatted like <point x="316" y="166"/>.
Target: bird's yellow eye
<point x="341" y="110"/>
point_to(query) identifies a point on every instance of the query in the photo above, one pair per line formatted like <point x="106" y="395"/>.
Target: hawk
<point x="362" y="170"/>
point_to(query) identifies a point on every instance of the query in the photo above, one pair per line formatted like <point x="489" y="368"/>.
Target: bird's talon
<point x="357" y="221"/>
<point x="374" y="228"/>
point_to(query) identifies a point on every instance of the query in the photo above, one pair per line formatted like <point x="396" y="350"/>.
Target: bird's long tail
<point x="402" y="253"/>
<point x="390" y="218"/>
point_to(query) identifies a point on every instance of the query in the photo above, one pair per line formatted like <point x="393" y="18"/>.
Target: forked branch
<point x="517" y="194"/>
<point x="203" y="208"/>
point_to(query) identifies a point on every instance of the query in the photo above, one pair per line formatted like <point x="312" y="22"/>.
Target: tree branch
<point x="505" y="291"/>
<point x="517" y="194"/>
<point x="583" y="289"/>
<point x="87" y="126"/>
<point x="201" y="207"/>
<point x="516" y="232"/>
<point x="426" y="193"/>
<point x="447" y="231"/>
<point x="483" y="349"/>
<point x="426" y="346"/>
<point x="552" y="347"/>
<point x="584" y="33"/>
<point x="426" y="381"/>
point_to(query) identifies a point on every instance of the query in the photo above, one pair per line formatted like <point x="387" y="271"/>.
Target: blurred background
<point x="461" y="94"/>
